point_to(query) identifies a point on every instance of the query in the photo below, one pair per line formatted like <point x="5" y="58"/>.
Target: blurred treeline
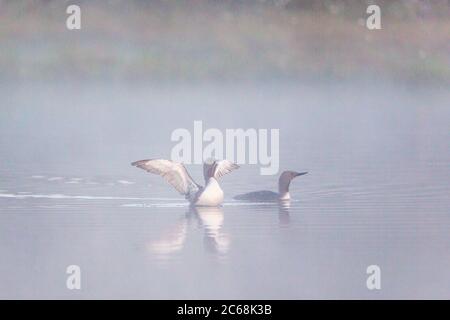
<point x="225" y="40"/>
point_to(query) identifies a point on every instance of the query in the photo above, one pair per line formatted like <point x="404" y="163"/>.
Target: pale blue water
<point x="377" y="192"/>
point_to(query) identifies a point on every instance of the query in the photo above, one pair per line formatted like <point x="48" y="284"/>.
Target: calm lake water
<point x="377" y="193"/>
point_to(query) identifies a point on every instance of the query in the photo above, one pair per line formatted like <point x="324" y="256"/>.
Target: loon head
<point x="285" y="180"/>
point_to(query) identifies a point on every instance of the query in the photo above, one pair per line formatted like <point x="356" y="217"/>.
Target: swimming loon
<point x="270" y="196"/>
<point x="176" y="175"/>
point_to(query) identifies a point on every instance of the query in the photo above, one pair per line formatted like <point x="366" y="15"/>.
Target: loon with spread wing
<point x="176" y="175"/>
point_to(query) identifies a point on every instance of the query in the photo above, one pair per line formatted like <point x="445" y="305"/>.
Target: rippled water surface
<point x="377" y="192"/>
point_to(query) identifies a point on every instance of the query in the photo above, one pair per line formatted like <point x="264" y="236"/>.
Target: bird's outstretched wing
<point x="173" y="172"/>
<point x="217" y="169"/>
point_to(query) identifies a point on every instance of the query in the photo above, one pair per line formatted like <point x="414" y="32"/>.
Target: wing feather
<point x="174" y="173"/>
<point x="218" y="168"/>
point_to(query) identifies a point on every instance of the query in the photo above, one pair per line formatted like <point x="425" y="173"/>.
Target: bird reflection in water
<point x="209" y="219"/>
<point x="282" y="207"/>
<point x="283" y="213"/>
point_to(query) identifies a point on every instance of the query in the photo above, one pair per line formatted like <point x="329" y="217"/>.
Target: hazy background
<point x="228" y="40"/>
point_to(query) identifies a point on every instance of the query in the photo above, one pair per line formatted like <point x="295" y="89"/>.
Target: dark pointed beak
<point x="300" y="174"/>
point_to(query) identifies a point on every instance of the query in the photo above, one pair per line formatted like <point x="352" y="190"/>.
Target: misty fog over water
<point x="376" y="193"/>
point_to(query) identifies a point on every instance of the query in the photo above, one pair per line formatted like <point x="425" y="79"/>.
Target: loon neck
<point x="213" y="184"/>
<point x="284" y="196"/>
<point x="283" y="184"/>
<point x="212" y="180"/>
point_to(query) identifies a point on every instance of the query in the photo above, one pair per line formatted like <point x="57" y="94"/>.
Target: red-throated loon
<point x="265" y="195"/>
<point x="176" y="174"/>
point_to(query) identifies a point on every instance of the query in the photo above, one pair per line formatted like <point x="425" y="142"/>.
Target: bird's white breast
<point x="212" y="195"/>
<point x="285" y="196"/>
